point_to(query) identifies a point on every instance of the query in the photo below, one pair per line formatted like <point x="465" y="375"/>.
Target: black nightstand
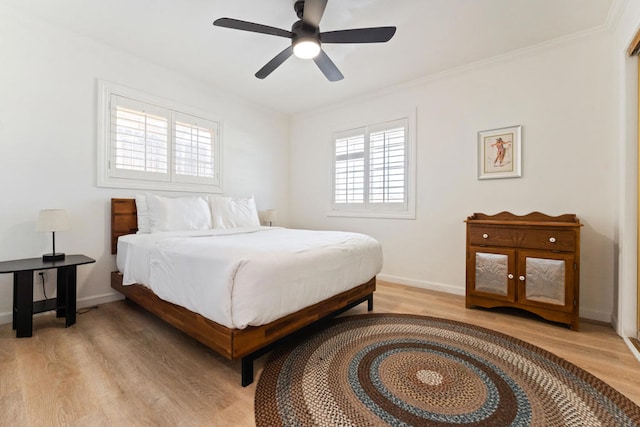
<point x="23" y="305"/>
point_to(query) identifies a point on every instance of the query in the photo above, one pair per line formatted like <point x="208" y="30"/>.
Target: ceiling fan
<point x="306" y="38"/>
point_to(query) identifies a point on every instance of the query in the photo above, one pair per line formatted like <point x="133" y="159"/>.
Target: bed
<point x="238" y="330"/>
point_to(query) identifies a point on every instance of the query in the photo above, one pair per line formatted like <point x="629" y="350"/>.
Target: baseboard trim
<point x="7" y="317"/>
<point x="599" y="316"/>
<point x="432" y="286"/>
<point x="99" y="299"/>
<point x="634" y="346"/>
<point x="585" y="313"/>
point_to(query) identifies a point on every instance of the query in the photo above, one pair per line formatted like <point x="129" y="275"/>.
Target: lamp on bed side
<point x="270" y="216"/>
<point x="53" y="220"/>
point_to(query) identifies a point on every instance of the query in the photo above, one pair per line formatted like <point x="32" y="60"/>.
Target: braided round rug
<point x="394" y="369"/>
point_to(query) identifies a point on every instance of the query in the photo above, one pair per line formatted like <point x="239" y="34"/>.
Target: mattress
<point x="248" y="276"/>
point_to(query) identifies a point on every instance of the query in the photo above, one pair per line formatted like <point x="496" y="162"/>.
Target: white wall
<point x="561" y="93"/>
<point x="567" y="96"/>
<point x="48" y="96"/>
<point x="625" y="310"/>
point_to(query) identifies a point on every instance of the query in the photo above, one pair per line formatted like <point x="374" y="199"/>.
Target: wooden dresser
<point x="531" y="262"/>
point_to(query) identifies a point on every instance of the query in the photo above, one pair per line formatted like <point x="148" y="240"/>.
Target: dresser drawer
<point x="552" y="240"/>
<point x="492" y="236"/>
<point x="518" y="237"/>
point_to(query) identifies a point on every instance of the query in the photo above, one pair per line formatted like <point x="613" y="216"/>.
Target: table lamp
<point x="53" y="220"/>
<point x="270" y="216"/>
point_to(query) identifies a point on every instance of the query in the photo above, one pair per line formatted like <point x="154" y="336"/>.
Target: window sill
<point x="158" y="186"/>
<point x="370" y="214"/>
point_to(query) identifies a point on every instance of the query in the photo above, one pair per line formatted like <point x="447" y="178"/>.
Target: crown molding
<point x="615" y="14"/>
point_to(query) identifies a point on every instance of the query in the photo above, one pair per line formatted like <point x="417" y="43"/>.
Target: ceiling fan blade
<point x="274" y="63"/>
<point x="327" y="67"/>
<point x="313" y="11"/>
<point x="236" y="24"/>
<point x="359" y="35"/>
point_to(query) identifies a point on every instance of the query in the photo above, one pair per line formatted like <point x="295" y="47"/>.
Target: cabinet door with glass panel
<point x="546" y="279"/>
<point x="491" y="273"/>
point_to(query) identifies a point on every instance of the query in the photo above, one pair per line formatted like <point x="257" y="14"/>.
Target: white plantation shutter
<point x="195" y="153"/>
<point x="147" y="144"/>
<point x="349" y="169"/>
<point x="371" y="169"/>
<point x="139" y="140"/>
<point x="388" y="164"/>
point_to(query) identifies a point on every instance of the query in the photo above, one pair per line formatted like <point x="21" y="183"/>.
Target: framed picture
<point x="499" y="153"/>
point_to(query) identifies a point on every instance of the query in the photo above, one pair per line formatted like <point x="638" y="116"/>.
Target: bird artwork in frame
<point x="499" y="153"/>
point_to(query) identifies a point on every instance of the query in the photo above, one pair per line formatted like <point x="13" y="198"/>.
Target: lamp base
<point x="53" y="257"/>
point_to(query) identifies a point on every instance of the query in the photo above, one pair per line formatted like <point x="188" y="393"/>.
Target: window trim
<point x="104" y="179"/>
<point x="371" y="210"/>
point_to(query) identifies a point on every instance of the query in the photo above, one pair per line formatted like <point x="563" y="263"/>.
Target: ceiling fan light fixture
<point x="306" y="47"/>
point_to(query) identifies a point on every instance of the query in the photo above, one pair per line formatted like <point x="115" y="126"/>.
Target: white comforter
<point x="248" y="276"/>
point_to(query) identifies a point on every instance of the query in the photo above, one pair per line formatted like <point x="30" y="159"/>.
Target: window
<point x="148" y="143"/>
<point x="373" y="171"/>
<point x="349" y="170"/>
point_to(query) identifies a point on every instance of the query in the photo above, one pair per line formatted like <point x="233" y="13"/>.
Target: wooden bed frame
<point x="245" y="344"/>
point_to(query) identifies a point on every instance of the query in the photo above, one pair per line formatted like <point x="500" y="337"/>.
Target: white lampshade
<point x="52" y="220"/>
<point x="270" y="215"/>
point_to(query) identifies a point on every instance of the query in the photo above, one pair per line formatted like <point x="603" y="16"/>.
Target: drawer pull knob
<point x="521" y="278"/>
<point x="485" y="236"/>
<point x="552" y="239"/>
<point x="510" y="276"/>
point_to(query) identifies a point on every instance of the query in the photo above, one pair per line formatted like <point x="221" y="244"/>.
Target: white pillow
<point x="143" y="214"/>
<point x="227" y="212"/>
<point x="176" y="214"/>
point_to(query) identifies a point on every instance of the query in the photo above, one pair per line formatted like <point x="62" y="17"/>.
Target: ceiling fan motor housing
<point x="298" y="6"/>
<point x="300" y="29"/>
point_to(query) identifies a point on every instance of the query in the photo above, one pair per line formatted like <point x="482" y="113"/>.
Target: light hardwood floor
<point x="119" y="365"/>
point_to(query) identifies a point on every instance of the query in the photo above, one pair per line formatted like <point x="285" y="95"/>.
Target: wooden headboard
<point x="124" y="220"/>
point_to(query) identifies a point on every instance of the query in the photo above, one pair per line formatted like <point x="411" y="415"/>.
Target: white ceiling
<point x="432" y="36"/>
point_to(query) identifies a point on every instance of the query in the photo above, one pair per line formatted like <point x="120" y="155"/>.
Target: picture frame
<point x="499" y="153"/>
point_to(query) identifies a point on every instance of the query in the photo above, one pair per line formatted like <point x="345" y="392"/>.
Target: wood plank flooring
<point x="119" y="365"/>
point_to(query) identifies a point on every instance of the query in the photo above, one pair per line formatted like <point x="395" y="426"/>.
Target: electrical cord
<point x="86" y="309"/>
<point x="44" y="291"/>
